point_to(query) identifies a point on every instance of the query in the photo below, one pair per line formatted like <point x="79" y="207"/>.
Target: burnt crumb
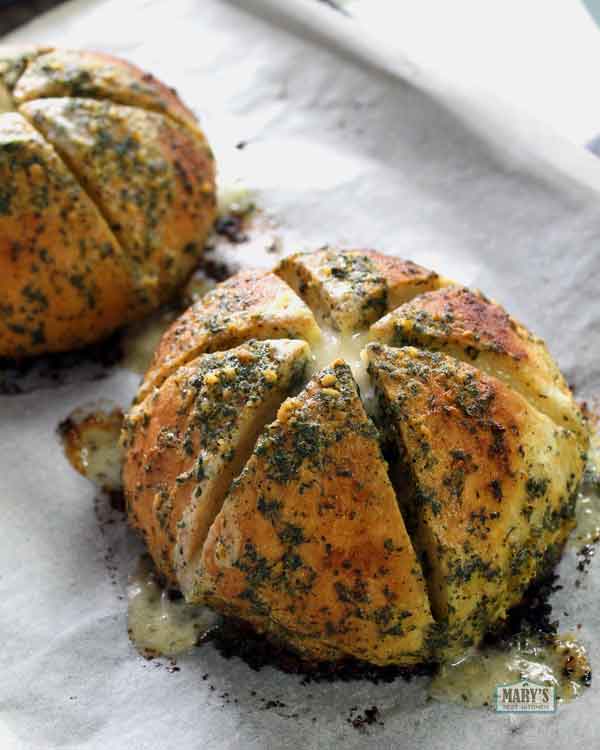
<point x="173" y="595"/>
<point x="273" y="704"/>
<point x="361" y="721"/>
<point x="234" y="638"/>
<point x="116" y="500"/>
<point x="172" y="666"/>
<point x="584" y="558"/>
<point x="232" y="228"/>
<point x="215" y="269"/>
<point x="19" y="376"/>
<point x="154" y="658"/>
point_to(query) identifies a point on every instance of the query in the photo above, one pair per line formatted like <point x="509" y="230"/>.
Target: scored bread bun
<point x="107" y="196"/>
<point x="261" y="483"/>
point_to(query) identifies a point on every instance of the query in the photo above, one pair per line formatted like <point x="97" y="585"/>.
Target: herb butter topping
<point x="308" y="539"/>
<point x="107" y="197"/>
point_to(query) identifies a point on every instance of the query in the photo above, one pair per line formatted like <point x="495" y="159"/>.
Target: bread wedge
<point x="494" y="485"/>
<point x="350" y="289"/>
<point x="310" y="544"/>
<point x="188" y="442"/>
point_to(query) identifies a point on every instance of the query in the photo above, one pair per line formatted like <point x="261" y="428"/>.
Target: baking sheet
<point x="348" y="141"/>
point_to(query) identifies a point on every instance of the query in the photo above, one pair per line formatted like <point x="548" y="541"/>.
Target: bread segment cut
<point x="187" y="442"/>
<point x="251" y="304"/>
<point x="53" y="73"/>
<point x="350" y="289"/>
<point x="310" y="544"/>
<point x="65" y="279"/>
<point x="13" y="62"/>
<point x="472" y="328"/>
<point x="495" y="484"/>
<point x="151" y="178"/>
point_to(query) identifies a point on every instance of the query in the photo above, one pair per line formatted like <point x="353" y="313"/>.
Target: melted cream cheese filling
<point x="159" y="625"/>
<point x="335" y="345"/>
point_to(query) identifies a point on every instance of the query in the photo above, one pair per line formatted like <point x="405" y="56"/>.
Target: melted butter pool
<point x="159" y="624"/>
<point x="472" y="680"/>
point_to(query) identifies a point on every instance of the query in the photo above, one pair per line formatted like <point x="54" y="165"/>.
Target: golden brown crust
<point x="64" y="279"/>
<point x="495" y="484"/>
<point x="350" y="289"/>
<point x="474" y="329"/>
<point x="151" y="178"/>
<point x="193" y="436"/>
<point x="310" y="543"/>
<point x="139" y="197"/>
<point x="251" y="304"/>
<point x="96" y="75"/>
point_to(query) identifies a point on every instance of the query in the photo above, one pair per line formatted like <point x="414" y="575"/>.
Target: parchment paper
<point x="352" y="142"/>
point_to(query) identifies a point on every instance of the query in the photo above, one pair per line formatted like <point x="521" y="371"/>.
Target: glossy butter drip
<point x="348" y="347"/>
<point x="233" y="196"/>
<point x="472" y="680"/>
<point x="91" y="443"/>
<point x="587" y="530"/>
<point x="159" y="624"/>
<point x="140" y="341"/>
